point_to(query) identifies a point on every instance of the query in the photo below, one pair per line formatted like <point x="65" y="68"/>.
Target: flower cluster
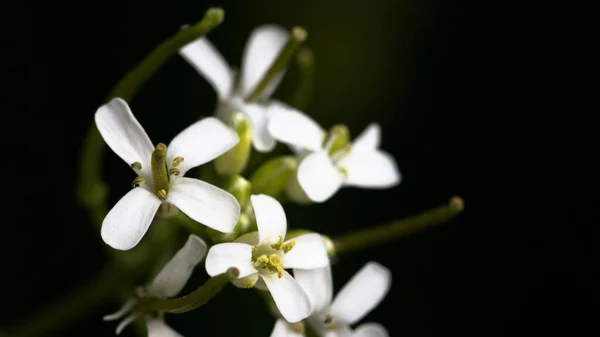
<point x="260" y="248"/>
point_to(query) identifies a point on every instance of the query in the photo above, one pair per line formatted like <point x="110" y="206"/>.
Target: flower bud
<point x="234" y="161"/>
<point x="272" y="177"/>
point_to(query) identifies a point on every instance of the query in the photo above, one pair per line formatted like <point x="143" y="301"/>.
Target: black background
<point x="438" y="76"/>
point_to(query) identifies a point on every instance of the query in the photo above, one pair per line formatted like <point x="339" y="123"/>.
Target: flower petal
<point x="284" y="329"/>
<point x="124" y="134"/>
<point x="206" y="59"/>
<point x="174" y="275"/>
<point x="290" y="298"/>
<point x="223" y="256"/>
<point x="372" y="169"/>
<point x="294" y="127"/>
<point x="309" y="252"/>
<point x="270" y="218"/>
<point x="205" y="203"/>
<point x="158" y="328"/>
<point x="319" y="178"/>
<point x="317" y="284"/>
<point x="200" y="143"/>
<point x="127" y="222"/>
<point x="370" y="330"/>
<point x="369" y="139"/>
<point x="262" y="140"/>
<point x="361" y="294"/>
<point x="124" y="310"/>
<point x="262" y="48"/>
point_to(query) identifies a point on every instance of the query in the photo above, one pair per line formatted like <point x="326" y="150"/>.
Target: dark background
<point x="432" y="73"/>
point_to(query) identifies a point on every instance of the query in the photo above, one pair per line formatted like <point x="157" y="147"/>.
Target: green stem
<point x="91" y="190"/>
<point x="74" y="305"/>
<point x="397" y="229"/>
<point x="280" y="63"/>
<point x="196" y="299"/>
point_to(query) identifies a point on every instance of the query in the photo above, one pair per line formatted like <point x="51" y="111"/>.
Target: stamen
<point x="344" y="172"/>
<point x="177" y="161"/>
<point x="288" y="246"/>
<point x="279" y="244"/>
<point x="263" y="260"/>
<point x="162" y="194"/>
<point x="298" y="327"/>
<point x="174" y="171"/>
<point x="137" y="181"/>
<point x="253" y="249"/>
<point x="136" y="165"/>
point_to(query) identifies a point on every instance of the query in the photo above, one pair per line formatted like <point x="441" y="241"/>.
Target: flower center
<point x="161" y="173"/>
<point x="268" y="258"/>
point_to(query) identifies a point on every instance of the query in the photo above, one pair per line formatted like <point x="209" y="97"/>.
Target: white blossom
<point x="262" y="48"/>
<point x="262" y="256"/>
<point x="333" y="318"/>
<point x="321" y="173"/>
<point x="127" y="222"/>
<point x="168" y="283"/>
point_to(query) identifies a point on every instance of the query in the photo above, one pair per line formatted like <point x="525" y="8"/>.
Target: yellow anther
<point x="280" y="272"/>
<point x="263" y="259"/>
<point x="279" y="244"/>
<point x="137" y="181"/>
<point x="136" y="165"/>
<point x="253" y="249"/>
<point x="275" y="260"/>
<point x="174" y="171"/>
<point x="288" y="246"/>
<point x="328" y="322"/>
<point x="298" y="327"/>
<point x="162" y="194"/>
<point x="177" y="161"/>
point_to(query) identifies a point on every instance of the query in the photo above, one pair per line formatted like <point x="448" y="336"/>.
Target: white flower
<point x="265" y="254"/>
<point x="262" y="48"/>
<point x="168" y="283"/>
<point x="321" y="174"/>
<point x="356" y="299"/>
<point x="127" y="222"/>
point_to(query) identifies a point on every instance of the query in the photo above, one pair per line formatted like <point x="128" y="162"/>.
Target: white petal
<point x="124" y="310"/>
<point x="319" y="178"/>
<point x="284" y="329"/>
<point x="127" y="222"/>
<point x="317" y="284"/>
<point x="207" y="60"/>
<point x="370" y="330"/>
<point x="259" y="118"/>
<point x="124" y="134"/>
<point x="372" y="169"/>
<point x="270" y="218"/>
<point x="205" y="203"/>
<point x="158" y="328"/>
<point x="290" y="298"/>
<point x="294" y="127"/>
<point x="361" y="294"/>
<point x="308" y="253"/>
<point x="262" y="48"/>
<point x="223" y="256"/>
<point x="174" y="275"/>
<point x="200" y="143"/>
<point x="369" y="139"/>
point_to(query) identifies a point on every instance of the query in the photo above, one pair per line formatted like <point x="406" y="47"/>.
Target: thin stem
<point x="280" y="63"/>
<point x="397" y="229"/>
<point x="196" y="299"/>
<point x="74" y="305"/>
<point x="91" y="190"/>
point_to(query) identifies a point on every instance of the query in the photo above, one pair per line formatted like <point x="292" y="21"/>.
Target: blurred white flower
<point x="262" y="256"/>
<point x="263" y="47"/>
<point x="321" y="173"/>
<point x="168" y="283"/>
<point x="127" y="222"/>
<point x="333" y="318"/>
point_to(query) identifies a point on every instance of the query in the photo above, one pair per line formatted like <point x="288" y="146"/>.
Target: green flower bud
<point x="339" y="137"/>
<point x="272" y="177"/>
<point x="235" y="160"/>
<point x="239" y="187"/>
